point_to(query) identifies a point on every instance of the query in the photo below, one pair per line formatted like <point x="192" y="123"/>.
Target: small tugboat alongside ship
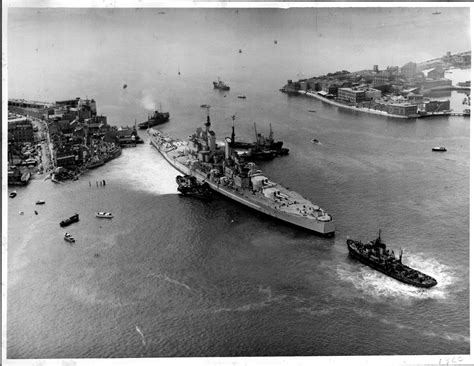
<point x="227" y="174"/>
<point x="156" y="119"/>
<point x="376" y="255"/>
<point x="189" y="186"/>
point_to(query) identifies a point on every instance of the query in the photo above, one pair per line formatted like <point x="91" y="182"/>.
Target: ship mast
<point x="233" y="131"/>
<point x="256" y="135"/>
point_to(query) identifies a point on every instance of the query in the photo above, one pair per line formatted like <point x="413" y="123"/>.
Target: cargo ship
<point x="225" y="173"/>
<point x="219" y="84"/>
<point x="376" y="255"/>
<point x="156" y="119"/>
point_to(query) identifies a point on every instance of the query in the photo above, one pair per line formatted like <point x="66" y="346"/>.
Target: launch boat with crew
<point x="229" y="175"/>
<point x="376" y="255"/>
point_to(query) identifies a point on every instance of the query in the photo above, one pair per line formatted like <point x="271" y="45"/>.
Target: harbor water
<point x="173" y="276"/>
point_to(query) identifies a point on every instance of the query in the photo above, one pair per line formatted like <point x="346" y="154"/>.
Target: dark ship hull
<point x="157" y="119"/>
<point x="389" y="265"/>
<point x="189" y="186"/>
<point x="74" y="218"/>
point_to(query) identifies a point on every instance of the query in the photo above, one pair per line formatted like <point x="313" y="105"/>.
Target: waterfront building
<point x="429" y="84"/>
<point x="313" y="84"/>
<point x="351" y="95"/>
<point x="20" y="130"/>
<point x="437" y="105"/>
<point x="402" y="109"/>
<point x="434" y="73"/>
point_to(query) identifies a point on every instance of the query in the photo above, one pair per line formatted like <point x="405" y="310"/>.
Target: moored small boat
<point x="104" y="215"/>
<point x="74" y="218"/>
<point x="12" y="194"/>
<point x="69" y="238"/>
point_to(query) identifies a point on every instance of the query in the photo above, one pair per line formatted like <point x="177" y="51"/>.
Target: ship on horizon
<point x="219" y="84"/>
<point x="227" y="174"/>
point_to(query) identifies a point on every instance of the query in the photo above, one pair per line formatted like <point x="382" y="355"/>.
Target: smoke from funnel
<point x="147" y="101"/>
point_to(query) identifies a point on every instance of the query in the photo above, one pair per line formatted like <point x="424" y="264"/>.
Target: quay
<point x="340" y="105"/>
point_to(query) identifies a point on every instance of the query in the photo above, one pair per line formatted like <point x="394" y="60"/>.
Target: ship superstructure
<point x="376" y="255"/>
<point x="241" y="181"/>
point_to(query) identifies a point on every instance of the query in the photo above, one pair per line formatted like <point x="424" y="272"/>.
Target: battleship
<point x="227" y="174"/>
<point x="156" y="119"/>
<point x="376" y="255"/>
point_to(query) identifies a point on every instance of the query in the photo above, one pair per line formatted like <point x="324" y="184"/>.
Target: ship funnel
<point x="228" y="141"/>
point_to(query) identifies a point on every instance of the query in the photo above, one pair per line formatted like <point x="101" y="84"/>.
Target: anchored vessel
<point x="74" y="218"/>
<point x="236" y="179"/>
<point x="219" y="84"/>
<point x="68" y="237"/>
<point x="156" y="119"/>
<point x="376" y="255"/>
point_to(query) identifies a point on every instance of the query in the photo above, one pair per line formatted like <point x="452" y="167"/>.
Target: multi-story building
<point x="408" y="70"/>
<point x="372" y="94"/>
<point x="434" y="73"/>
<point x="403" y="109"/>
<point x="350" y="95"/>
<point x="429" y="84"/>
<point x="20" y="130"/>
<point x="382" y="78"/>
<point x="437" y="105"/>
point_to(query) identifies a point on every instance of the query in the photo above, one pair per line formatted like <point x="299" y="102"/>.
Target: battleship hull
<point x="326" y="228"/>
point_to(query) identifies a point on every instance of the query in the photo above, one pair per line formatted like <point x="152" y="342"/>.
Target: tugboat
<point x="156" y="119"/>
<point x="219" y="84"/>
<point x="375" y="255"/>
<point x="189" y="186"/>
<point x="439" y="148"/>
<point x="74" y="218"/>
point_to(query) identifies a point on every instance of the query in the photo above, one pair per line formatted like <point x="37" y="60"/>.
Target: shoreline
<point x="364" y="110"/>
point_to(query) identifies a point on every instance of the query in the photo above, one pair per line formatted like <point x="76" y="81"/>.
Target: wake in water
<point x="170" y="280"/>
<point x="146" y="170"/>
<point x="141" y="334"/>
<point x="270" y="299"/>
<point x="380" y="286"/>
